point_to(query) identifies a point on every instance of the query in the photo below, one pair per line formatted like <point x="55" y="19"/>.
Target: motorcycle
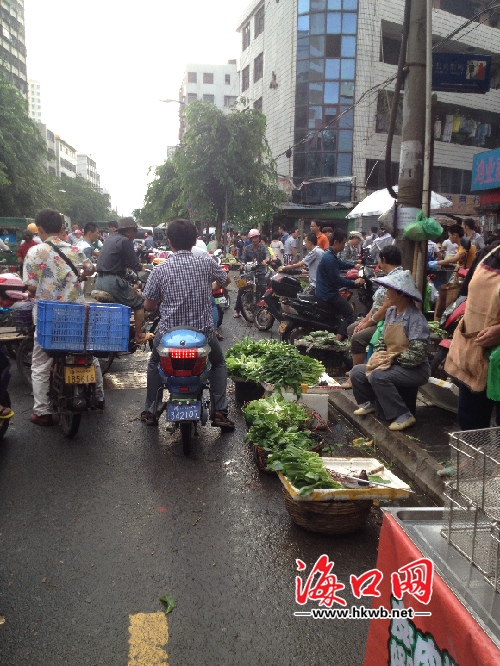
<point x="252" y="288"/>
<point x="269" y="309"/>
<point x="72" y="388"/>
<point x="151" y="320"/>
<point x="4" y="393"/>
<point x="222" y="298"/>
<point x="184" y="369"/>
<point x="361" y="299"/>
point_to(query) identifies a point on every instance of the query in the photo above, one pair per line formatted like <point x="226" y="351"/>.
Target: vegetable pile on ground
<point x="304" y="469"/>
<point x="326" y="338"/>
<point x="276" y="423"/>
<point x="273" y="362"/>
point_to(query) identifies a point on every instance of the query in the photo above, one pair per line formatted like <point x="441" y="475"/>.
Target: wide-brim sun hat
<point x="401" y="281"/>
<point x="253" y="232"/>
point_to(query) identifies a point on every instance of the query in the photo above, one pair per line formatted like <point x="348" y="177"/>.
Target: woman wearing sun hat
<point x="400" y="358"/>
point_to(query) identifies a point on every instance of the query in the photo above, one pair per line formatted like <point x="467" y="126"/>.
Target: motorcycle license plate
<point x="221" y="301"/>
<point x="282" y="327"/>
<point x="242" y="282"/>
<point x="183" y="411"/>
<point x="81" y="375"/>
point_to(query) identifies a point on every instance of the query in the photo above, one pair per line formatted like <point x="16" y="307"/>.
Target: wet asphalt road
<point x="96" y="529"/>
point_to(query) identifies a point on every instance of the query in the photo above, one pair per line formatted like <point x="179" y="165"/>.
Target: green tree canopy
<point x="223" y="164"/>
<point x="80" y="201"/>
<point x="163" y="197"/>
<point x="24" y="184"/>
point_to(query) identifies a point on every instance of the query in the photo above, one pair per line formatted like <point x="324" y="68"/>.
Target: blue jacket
<point x="328" y="278"/>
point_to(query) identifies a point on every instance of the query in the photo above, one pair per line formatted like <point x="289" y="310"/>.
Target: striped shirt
<point x="183" y="287"/>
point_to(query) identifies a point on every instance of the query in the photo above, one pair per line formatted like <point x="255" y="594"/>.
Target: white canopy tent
<point x="381" y="201"/>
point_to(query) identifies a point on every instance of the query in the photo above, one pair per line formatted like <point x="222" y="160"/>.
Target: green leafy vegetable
<point x="169" y="602"/>
<point x="304" y="469"/>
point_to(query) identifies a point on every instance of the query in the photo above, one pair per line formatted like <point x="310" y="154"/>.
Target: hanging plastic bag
<point x="424" y="228"/>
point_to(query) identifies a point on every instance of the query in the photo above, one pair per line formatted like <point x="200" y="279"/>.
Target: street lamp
<point x="177" y="101"/>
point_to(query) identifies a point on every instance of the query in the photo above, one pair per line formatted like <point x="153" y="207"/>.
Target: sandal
<point x="220" y="420"/>
<point x="219" y="336"/>
<point x="5" y="412"/>
<point x="236" y="315"/>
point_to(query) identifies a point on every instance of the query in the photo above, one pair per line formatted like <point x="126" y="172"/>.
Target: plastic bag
<point x="424" y="228"/>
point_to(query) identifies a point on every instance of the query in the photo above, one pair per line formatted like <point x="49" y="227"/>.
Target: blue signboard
<point x="486" y="170"/>
<point x="461" y="72"/>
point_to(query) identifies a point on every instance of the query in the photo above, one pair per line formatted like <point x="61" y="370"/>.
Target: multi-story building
<point x="217" y="84"/>
<point x="34" y="101"/>
<point x="66" y="158"/>
<point x="12" y="44"/>
<point x="49" y="137"/>
<point x="86" y="169"/>
<point x="318" y="70"/>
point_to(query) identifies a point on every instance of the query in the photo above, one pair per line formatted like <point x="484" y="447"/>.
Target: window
<point x="332" y="46"/>
<point x="208" y="77"/>
<point x="257" y="105"/>
<point x="258" y="25"/>
<point x="192" y="77"/>
<point x="389" y="51"/>
<point x="227" y="79"/>
<point x="258" y="67"/>
<point x="245" y="78"/>
<point x="192" y="97"/>
<point x="209" y="98"/>
<point x="229" y="100"/>
<point x="245" y="36"/>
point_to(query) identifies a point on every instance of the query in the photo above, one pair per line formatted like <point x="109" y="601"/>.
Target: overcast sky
<point x="104" y="65"/>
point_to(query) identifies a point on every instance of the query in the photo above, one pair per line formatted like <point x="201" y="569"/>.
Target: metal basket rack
<point x="473" y="517"/>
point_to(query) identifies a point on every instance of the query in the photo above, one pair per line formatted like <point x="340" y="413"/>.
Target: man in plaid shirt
<point x="182" y="287"/>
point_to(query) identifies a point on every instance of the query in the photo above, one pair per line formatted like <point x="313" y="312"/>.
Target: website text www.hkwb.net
<point x="360" y="613"/>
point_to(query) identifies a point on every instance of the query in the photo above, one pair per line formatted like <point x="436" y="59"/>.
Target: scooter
<point x="184" y="368"/>
<point x="269" y="309"/>
<point x="4" y="393"/>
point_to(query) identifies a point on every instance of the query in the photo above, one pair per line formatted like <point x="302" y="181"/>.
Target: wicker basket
<point x="328" y="517"/>
<point x="260" y="455"/>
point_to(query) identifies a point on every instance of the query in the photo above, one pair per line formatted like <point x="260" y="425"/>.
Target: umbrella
<point x="380" y="201"/>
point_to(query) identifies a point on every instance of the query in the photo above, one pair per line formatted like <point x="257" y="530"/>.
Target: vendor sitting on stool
<point x="400" y="358"/>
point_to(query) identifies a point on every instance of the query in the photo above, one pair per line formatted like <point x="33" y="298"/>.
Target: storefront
<point x="486" y="182"/>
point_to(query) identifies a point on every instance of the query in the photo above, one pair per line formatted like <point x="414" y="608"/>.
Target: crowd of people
<point x="53" y="261"/>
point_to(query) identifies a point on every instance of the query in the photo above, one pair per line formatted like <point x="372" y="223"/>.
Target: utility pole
<point x="411" y="168"/>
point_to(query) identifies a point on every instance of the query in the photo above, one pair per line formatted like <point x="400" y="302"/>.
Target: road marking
<point x="148" y="639"/>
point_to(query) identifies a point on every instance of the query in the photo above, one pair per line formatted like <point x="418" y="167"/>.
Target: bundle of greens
<point x="273" y="438"/>
<point x="304" y="469"/>
<point x="273" y="362"/>
<point x="326" y="338"/>
<point x="435" y="329"/>
<point x="276" y="410"/>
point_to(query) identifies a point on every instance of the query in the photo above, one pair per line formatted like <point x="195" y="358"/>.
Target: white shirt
<point x="311" y="260"/>
<point x="277" y="247"/>
<point x="451" y="248"/>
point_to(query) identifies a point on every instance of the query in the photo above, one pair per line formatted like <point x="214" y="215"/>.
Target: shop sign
<point x="461" y="72"/>
<point x="486" y="170"/>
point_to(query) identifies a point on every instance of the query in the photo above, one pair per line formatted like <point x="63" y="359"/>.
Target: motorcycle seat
<point x="307" y="297"/>
<point x="102" y="296"/>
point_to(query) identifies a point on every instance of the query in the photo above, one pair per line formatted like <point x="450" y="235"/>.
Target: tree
<point x="163" y="195"/>
<point x="24" y="184"/>
<point x="80" y="201"/>
<point x="223" y="170"/>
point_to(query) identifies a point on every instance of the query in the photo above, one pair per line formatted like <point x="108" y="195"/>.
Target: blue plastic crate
<point x="60" y="327"/>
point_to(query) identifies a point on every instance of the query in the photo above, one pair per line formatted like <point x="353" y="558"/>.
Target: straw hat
<point x="356" y="234"/>
<point x="401" y="281"/>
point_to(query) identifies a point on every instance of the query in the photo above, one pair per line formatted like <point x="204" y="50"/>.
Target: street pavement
<point x="94" y="530"/>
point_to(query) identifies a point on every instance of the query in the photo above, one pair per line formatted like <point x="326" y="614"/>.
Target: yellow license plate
<point x="242" y="282"/>
<point x="282" y="327"/>
<point x="82" y="375"/>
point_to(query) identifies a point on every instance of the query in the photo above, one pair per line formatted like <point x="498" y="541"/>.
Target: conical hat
<point x="401" y="281"/>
